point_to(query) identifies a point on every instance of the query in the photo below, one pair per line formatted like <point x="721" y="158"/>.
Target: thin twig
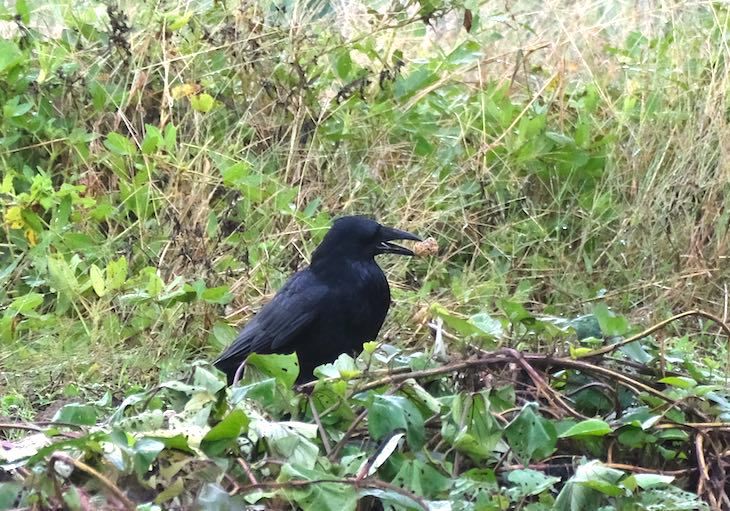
<point x="496" y="358"/>
<point x="336" y="451"/>
<point x="33" y="427"/>
<point x="613" y="347"/>
<point x="320" y="427"/>
<point x="704" y="473"/>
<point x="247" y="469"/>
<point x="239" y="372"/>
<point x="113" y="488"/>
<point x="551" y="394"/>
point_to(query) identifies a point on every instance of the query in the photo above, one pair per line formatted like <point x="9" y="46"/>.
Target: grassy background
<point x="166" y="165"/>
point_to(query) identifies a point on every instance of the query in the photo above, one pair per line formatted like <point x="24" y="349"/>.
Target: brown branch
<point x="619" y="466"/>
<point x="247" y="469"/>
<point x="496" y="358"/>
<point x="425" y="373"/>
<point x="704" y="473"/>
<point x="552" y="395"/>
<point x="336" y="451"/>
<point x="21" y="425"/>
<point x="33" y="427"/>
<point x="613" y="347"/>
<point x="320" y="427"/>
<point x="108" y="484"/>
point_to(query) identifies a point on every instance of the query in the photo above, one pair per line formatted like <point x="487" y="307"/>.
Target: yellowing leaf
<point x="202" y="102"/>
<point x="183" y="91"/>
<point x="578" y="352"/>
<point x="7" y="184"/>
<point x="97" y="280"/>
<point x="179" y="21"/>
<point x="14" y="217"/>
<point x="32" y="237"/>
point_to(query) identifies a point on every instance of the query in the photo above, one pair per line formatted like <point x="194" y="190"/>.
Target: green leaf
<point x="263" y="391"/>
<point x="97" y="280"/>
<point x="590" y="427"/>
<point x="530" y="435"/>
<point x="155" y="284"/>
<point x="479" y="432"/>
<point x="222" y="335"/>
<point x="515" y="311"/>
<point x="422" y="479"/>
<point x="26" y="303"/>
<point x="577" y="494"/>
<point x="459" y="325"/>
<point x="681" y="382"/>
<point x="466" y="53"/>
<point x="120" y="145"/>
<point x="420" y="396"/>
<point x="343" y="367"/>
<point x="116" y="273"/>
<point x="415" y="81"/>
<point x="225" y="433"/>
<point x="343" y="64"/>
<point x="170" y="137"/>
<point x="211" y="381"/>
<point x="10" y="55"/>
<point x="390" y="413"/>
<point x="646" y="481"/>
<point x="611" y="324"/>
<point x="14" y="108"/>
<point x="610" y="489"/>
<point x="12" y="495"/>
<point x="220" y="295"/>
<point x="285" y="368"/>
<point x="214" y="498"/>
<point x="320" y="496"/>
<point x="178" y="21"/>
<point x="74" y="413"/>
<point x="292" y="441"/>
<point x="531" y="482"/>
<point x="145" y="453"/>
<point x="487" y="324"/>
<point x="62" y="276"/>
<point x="21" y="7"/>
<point x="152" y="139"/>
<point x="236" y="173"/>
<point x="202" y="102"/>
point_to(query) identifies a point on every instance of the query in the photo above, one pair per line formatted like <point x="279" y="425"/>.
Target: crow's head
<point x="358" y="237"/>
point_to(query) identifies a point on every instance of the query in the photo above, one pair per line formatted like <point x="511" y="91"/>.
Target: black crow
<point x="331" y="307"/>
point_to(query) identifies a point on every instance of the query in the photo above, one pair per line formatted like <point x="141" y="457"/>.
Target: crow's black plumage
<point x="331" y="307"/>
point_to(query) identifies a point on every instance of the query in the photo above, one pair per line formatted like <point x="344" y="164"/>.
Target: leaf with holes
<point x="390" y="413"/>
<point x="422" y="479"/>
<point x="323" y="496"/>
<point x="285" y="368"/>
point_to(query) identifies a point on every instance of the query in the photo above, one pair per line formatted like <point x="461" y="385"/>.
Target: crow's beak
<point x="388" y="234"/>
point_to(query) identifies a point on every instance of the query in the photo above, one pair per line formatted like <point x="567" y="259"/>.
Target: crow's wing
<point x="295" y="307"/>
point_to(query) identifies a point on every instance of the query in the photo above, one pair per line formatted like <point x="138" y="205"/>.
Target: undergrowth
<point x="165" y="166"/>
